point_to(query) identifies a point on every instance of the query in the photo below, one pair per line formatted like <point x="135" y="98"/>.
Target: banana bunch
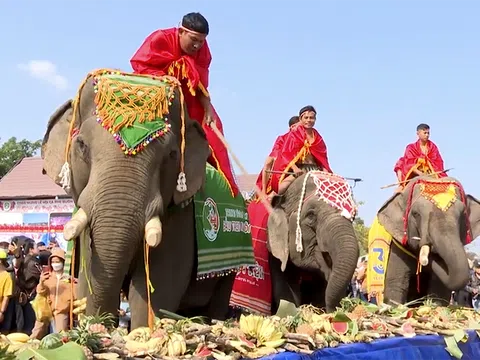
<point x="79" y="306"/>
<point x="262" y="329"/>
<point x="18" y="338"/>
<point x="139" y="348"/>
<point x="249" y="324"/>
<point x="141" y="334"/>
<point x="175" y="346"/>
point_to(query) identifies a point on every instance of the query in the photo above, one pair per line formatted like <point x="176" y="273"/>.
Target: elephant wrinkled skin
<point x="330" y="248"/>
<point x="119" y="195"/>
<point x="444" y="232"/>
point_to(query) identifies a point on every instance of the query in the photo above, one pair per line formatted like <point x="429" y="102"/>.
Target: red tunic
<point x="294" y="149"/>
<point x="414" y="158"/>
<point x="159" y="55"/>
<point x="277" y="146"/>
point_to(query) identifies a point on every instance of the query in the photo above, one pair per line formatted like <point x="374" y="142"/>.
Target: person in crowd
<point x="362" y="280"/>
<point x="124" y="312"/>
<point x="43" y="253"/>
<point x="473" y="287"/>
<point x="6" y="292"/>
<point x="4" y="245"/>
<point x="55" y="285"/>
<point x="27" y="269"/>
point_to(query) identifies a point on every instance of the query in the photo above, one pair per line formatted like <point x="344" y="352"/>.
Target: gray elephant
<point x="329" y="252"/>
<point x="123" y="200"/>
<point x="435" y="232"/>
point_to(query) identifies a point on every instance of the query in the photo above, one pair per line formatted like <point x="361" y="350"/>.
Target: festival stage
<point x="427" y="347"/>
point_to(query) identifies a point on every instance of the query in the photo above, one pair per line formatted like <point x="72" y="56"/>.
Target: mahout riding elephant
<point x="329" y="252"/>
<point x="124" y="201"/>
<point x="433" y="217"/>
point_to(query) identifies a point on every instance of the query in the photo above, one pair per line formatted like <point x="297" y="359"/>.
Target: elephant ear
<point x="474" y="215"/>
<point x="55" y="141"/>
<point x="278" y="236"/>
<point x="196" y="155"/>
<point x="391" y="215"/>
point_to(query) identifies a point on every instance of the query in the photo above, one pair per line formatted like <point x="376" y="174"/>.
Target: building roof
<point x="26" y="181"/>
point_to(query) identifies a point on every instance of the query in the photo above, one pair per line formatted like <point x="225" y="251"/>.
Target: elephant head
<point x="434" y="231"/>
<point x="328" y="242"/>
<point x="121" y="198"/>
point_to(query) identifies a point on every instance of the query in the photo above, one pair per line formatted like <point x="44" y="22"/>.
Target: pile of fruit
<point x="302" y="330"/>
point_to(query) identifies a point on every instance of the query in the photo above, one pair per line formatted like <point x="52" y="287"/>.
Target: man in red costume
<point x="183" y="52"/>
<point x="303" y="150"/>
<point x="265" y="176"/>
<point x="420" y="158"/>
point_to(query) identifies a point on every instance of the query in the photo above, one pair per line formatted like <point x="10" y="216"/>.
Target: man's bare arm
<point x="399" y="175"/>
<point x="265" y="172"/>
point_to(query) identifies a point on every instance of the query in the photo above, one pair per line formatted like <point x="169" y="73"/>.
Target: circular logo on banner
<point x="6" y="205"/>
<point x="211" y="219"/>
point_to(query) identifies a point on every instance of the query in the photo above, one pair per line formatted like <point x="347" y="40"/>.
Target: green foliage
<point x="361" y="231"/>
<point x="12" y="151"/>
<point x="68" y="351"/>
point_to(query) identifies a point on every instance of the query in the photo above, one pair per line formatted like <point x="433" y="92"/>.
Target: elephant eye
<point x="82" y="147"/>
<point x="173" y="154"/>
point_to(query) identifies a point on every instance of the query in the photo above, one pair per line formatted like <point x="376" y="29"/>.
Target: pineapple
<point x="359" y="312"/>
<point x="305" y="329"/>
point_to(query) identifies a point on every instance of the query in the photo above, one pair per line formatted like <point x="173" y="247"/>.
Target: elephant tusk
<point x="424" y="252"/>
<point x="76" y="225"/>
<point x="153" y="231"/>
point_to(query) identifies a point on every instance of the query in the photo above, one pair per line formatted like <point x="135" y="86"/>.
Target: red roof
<point x="26" y="181"/>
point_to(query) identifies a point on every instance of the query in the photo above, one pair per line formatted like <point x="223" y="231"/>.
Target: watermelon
<point x="340" y="327"/>
<point x="51" y="341"/>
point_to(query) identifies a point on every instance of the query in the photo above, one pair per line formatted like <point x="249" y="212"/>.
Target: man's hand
<point x="121" y="312"/>
<point x="474" y="291"/>
<point x="208" y="117"/>
<point x="418" y="172"/>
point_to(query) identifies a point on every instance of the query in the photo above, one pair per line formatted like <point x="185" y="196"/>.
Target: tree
<point x="12" y="151"/>
<point x="361" y="231"/>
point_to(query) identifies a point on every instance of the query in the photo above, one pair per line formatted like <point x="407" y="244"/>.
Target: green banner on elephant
<point x="222" y="227"/>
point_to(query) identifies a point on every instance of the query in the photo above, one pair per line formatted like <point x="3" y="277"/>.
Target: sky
<point x="374" y="70"/>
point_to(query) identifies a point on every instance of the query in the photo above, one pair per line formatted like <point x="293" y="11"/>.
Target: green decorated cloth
<point x="133" y="108"/>
<point x="223" y="229"/>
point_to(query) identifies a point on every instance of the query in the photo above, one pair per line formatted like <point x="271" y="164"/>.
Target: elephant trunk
<point x="452" y="269"/>
<point x="344" y="251"/>
<point x="117" y="227"/>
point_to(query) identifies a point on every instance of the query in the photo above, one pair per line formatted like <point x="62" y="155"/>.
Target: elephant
<point x="330" y="248"/>
<point x="436" y="236"/>
<point x="126" y="200"/>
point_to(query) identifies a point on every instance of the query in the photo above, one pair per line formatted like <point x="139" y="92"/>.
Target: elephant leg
<point x="220" y="300"/>
<point x="397" y="278"/>
<point x="282" y="288"/>
<point x="313" y="291"/>
<point x="171" y="265"/>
